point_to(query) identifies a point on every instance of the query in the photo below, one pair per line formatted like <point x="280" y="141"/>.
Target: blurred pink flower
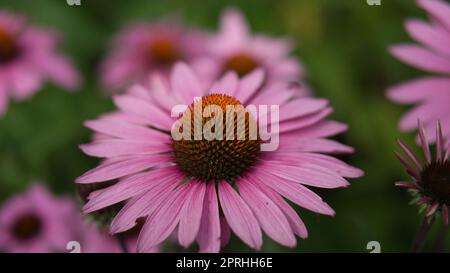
<point x="29" y="57"/>
<point x="144" y="48"/>
<point x="236" y="48"/>
<point x="177" y="184"/>
<point x="431" y="185"/>
<point x="431" y="94"/>
<point x="36" y="221"/>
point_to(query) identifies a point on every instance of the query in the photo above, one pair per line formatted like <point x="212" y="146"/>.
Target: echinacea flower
<point x="28" y="58"/>
<point x="235" y="48"/>
<point x="141" y="49"/>
<point x="431" y="94"/>
<point x="36" y="221"/>
<point x="202" y="188"/>
<point x="431" y="179"/>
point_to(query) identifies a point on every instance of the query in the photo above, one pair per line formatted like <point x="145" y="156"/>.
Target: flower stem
<point x="122" y="243"/>
<point x="422" y="234"/>
<point x="440" y="240"/>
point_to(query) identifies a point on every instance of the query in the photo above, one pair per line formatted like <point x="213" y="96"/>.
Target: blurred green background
<point x="342" y="44"/>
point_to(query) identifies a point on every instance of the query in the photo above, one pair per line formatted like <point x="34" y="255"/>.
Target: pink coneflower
<point x="431" y="94"/>
<point x="235" y="48"/>
<point x="431" y="181"/>
<point x="145" y="48"/>
<point x="35" y="221"/>
<point x="431" y="185"/>
<point x="28" y="57"/>
<point x="204" y="187"/>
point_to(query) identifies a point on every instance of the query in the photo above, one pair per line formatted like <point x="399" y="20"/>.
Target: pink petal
<point x="239" y="216"/>
<point x="324" y="161"/>
<point x="438" y="9"/>
<point x="24" y="82"/>
<point x="295" y="192"/>
<point x="270" y="217"/>
<point x="419" y="90"/>
<point x="421" y="58"/>
<point x="305" y="121"/>
<point x="127" y="188"/>
<point x="60" y="70"/>
<point x="161" y="94"/>
<point x="119" y="167"/>
<point x="320" y="145"/>
<point x="209" y="235"/>
<point x="297" y="225"/>
<point x="111" y="148"/>
<point x="320" y="130"/>
<point x="307" y="174"/>
<point x="144" y="205"/>
<point x="425" y="112"/>
<point x="144" y="110"/>
<point x="185" y="83"/>
<point x="233" y="27"/>
<point x="191" y="215"/>
<point x="163" y="221"/>
<point x="249" y="84"/>
<point x="301" y="107"/>
<point x="125" y="130"/>
<point x="429" y="35"/>
<point x="226" y="85"/>
<point x="424" y="142"/>
<point x="410" y="155"/>
<point x="277" y="94"/>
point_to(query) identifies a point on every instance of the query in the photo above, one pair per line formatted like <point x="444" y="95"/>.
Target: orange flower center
<point x="163" y="51"/>
<point x="26" y="227"/>
<point x="241" y="63"/>
<point x="215" y="159"/>
<point x="435" y="180"/>
<point x="8" y="47"/>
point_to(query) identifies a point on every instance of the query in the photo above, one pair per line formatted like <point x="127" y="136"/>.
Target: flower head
<point x="28" y="57"/>
<point x="431" y="94"/>
<point x="143" y="48"/>
<point x="431" y="180"/>
<point x="35" y="221"/>
<point x="235" y="48"/>
<point x="206" y="186"/>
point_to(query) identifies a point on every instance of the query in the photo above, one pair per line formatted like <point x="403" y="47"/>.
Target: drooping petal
<point x="306" y="174"/>
<point x="163" y="221"/>
<point x="143" y="205"/>
<point x="128" y="187"/>
<point x="296" y="223"/>
<point x="269" y="215"/>
<point x="296" y="193"/>
<point x="239" y="216"/>
<point x="119" y="167"/>
<point x="191" y="215"/>
<point x="209" y="235"/>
